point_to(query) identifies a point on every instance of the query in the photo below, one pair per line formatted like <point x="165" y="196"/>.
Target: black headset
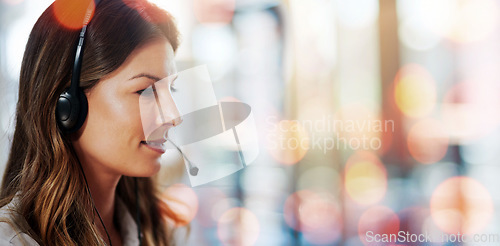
<point x="72" y="105"/>
<point x="72" y="109"/>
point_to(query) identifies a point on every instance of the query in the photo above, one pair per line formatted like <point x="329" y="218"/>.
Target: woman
<point x="77" y="187"/>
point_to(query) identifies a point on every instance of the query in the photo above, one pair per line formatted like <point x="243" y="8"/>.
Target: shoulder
<point x="127" y="224"/>
<point x="9" y="234"/>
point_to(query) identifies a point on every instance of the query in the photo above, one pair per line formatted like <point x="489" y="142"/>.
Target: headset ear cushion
<point x="84" y="108"/>
<point x="71" y="111"/>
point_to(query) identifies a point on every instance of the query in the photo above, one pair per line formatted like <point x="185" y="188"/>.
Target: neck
<point x="102" y="185"/>
<point x="103" y="193"/>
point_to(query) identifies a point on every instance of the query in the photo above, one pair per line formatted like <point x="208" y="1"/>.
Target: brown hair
<point x="55" y="205"/>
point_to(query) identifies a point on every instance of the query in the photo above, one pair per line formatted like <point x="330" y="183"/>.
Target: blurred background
<point x="374" y="117"/>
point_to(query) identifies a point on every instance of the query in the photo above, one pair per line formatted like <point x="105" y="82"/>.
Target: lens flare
<point x="379" y="220"/>
<point x="414" y="91"/>
<point x="461" y="204"/>
<point x="428" y="141"/>
<point x="183" y="201"/>
<point x="315" y="214"/>
<point x="365" y="178"/>
<point x="72" y="14"/>
<point x="288" y="142"/>
<point x="238" y="226"/>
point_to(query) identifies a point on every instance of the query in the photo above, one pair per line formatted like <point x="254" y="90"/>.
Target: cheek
<point x="112" y="135"/>
<point x="112" y="122"/>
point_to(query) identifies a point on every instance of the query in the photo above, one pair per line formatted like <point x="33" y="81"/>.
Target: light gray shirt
<point x="10" y="236"/>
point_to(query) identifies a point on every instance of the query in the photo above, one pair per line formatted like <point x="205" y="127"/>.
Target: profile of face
<point x="112" y="138"/>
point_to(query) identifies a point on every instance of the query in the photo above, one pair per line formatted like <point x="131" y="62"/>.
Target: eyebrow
<point x="145" y="75"/>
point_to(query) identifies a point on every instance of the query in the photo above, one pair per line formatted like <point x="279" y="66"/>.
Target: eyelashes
<point x="153" y="91"/>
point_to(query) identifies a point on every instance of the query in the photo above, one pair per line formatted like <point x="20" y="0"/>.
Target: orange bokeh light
<point x="71" y="14"/>
<point x="316" y="214"/>
<point x="365" y="178"/>
<point x="183" y="201"/>
<point x="461" y="204"/>
<point x="288" y="142"/>
<point x="238" y="226"/>
<point x="379" y="220"/>
<point x="415" y="91"/>
<point x="428" y="141"/>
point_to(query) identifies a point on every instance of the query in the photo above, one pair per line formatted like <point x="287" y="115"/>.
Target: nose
<point x="168" y="113"/>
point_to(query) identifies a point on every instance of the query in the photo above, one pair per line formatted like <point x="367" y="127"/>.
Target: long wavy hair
<point x="42" y="170"/>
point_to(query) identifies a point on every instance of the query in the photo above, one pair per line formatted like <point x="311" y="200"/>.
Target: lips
<point x="156" y="145"/>
<point x="157" y="138"/>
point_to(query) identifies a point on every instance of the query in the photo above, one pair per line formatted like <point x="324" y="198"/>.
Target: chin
<point x="146" y="170"/>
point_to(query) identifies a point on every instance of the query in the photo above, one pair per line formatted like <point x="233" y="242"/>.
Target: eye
<point x="146" y="92"/>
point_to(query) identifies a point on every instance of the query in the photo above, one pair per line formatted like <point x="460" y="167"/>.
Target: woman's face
<point x="112" y="139"/>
